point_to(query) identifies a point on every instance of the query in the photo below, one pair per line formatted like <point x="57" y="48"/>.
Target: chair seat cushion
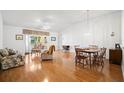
<point x="46" y="57"/>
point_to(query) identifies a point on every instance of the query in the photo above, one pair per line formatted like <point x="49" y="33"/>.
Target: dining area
<point x="91" y="56"/>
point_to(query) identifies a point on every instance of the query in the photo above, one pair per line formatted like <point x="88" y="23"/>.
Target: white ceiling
<point x="52" y="20"/>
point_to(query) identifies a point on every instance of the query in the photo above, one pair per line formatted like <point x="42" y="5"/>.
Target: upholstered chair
<point x="48" y="54"/>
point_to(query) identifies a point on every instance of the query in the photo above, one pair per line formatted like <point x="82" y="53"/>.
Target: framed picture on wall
<point x="53" y="38"/>
<point x="19" y="37"/>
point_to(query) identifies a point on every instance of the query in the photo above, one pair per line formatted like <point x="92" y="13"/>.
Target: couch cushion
<point x="11" y="51"/>
<point x="4" y="52"/>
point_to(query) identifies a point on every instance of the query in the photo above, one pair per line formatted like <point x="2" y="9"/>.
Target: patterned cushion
<point x="4" y="52"/>
<point x="10" y="62"/>
<point x="11" y="52"/>
<point x="20" y="57"/>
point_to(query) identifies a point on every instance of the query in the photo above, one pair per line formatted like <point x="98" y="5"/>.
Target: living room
<point x="20" y="30"/>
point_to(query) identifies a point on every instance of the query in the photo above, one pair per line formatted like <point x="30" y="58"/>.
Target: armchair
<point x="48" y="54"/>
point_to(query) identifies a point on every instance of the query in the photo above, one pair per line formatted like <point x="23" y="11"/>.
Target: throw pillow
<point x="4" y="52"/>
<point x="11" y="52"/>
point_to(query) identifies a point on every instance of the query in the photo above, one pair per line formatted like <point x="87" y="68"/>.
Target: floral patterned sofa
<point x="9" y="59"/>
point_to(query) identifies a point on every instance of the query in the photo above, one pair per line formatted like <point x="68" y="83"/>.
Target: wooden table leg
<point x="90" y="59"/>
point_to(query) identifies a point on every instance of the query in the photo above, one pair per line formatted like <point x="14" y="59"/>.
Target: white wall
<point x="59" y="40"/>
<point x="122" y="33"/>
<point x="100" y="29"/>
<point x="122" y="39"/>
<point x="53" y="34"/>
<point x="1" y="31"/>
<point x="10" y="41"/>
<point x="9" y="38"/>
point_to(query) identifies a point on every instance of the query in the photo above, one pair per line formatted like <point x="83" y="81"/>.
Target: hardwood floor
<point x="62" y="68"/>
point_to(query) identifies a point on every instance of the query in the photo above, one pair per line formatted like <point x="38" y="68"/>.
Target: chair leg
<point x="87" y="61"/>
<point x="102" y="63"/>
<point x="83" y="63"/>
<point x="79" y="61"/>
<point x="75" y="61"/>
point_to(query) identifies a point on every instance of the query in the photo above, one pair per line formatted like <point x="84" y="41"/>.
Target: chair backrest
<point x="100" y="55"/>
<point x="51" y="49"/>
<point x="77" y="51"/>
<point x="103" y="52"/>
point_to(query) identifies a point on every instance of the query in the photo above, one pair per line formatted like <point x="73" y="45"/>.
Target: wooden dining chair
<point x="80" y="58"/>
<point x="98" y="59"/>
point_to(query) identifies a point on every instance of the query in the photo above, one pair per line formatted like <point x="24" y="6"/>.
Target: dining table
<point x="90" y="52"/>
<point x="34" y="50"/>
